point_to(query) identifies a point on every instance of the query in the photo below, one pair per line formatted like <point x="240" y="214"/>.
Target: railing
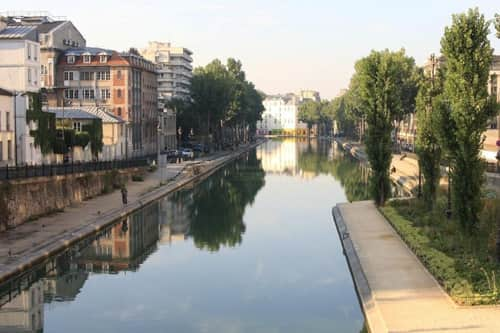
<point x="492" y="167"/>
<point x="47" y="170"/>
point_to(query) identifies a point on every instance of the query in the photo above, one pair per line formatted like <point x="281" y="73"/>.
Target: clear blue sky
<point x="285" y="46"/>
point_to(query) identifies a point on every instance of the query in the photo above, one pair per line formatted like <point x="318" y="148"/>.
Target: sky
<point x="285" y="46"/>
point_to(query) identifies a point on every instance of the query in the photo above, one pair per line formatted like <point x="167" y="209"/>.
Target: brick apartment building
<point x="123" y="84"/>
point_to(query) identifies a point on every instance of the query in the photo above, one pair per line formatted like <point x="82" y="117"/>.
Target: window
<point x="1" y="151"/>
<point x="29" y="51"/>
<point x="77" y="126"/>
<point x="88" y="94"/>
<point x="71" y="59"/>
<point x="29" y="75"/>
<point x="87" y="58"/>
<point x="87" y="76"/>
<point x="7" y="121"/>
<point x="105" y="94"/>
<point x="36" y="52"/>
<point x="9" y="149"/>
<point x="119" y="93"/>
<point x="119" y="111"/>
<point x="68" y="76"/>
<point x="103" y="59"/>
<point x="102" y="75"/>
<point x="119" y="75"/>
<point x="43" y="69"/>
<point x="71" y="93"/>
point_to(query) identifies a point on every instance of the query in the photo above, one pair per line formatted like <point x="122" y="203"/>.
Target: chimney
<point x="3" y="23"/>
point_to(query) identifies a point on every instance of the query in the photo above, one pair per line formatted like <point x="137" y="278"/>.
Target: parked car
<point x="201" y="148"/>
<point x="187" y="153"/>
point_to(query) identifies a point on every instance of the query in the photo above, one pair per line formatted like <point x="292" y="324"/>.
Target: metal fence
<point x="48" y="170"/>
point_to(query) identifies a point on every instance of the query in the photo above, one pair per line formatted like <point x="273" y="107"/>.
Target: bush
<point x="137" y="178"/>
<point x="461" y="263"/>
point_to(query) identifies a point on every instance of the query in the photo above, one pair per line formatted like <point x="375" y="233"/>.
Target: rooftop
<point x="88" y="50"/>
<point x="17" y="31"/>
<point x="84" y="112"/>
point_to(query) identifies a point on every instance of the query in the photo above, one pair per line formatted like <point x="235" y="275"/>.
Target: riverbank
<point x="394" y="288"/>
<point x="33" y="242"/>
<point x="406" y="174"/>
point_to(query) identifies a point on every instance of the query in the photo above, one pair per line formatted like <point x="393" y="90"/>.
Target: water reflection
<point x="210" y="257"/>
<point x="310" y="158"/>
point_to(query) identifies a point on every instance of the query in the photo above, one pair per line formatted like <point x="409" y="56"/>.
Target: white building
<point x="20" y="73"/>
<point x="55" y="36"/>
<point x="19" y="57"/>
<point x="174" y="69"/>
<point x="7" y="133"/>
<point x="281" y="116"/>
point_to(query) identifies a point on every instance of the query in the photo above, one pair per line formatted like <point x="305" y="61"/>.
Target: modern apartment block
<point x="123" y="84"/>
<point x="174" y="69"/>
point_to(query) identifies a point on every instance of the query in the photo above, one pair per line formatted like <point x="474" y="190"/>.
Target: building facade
<point x="174" y="70"/>
<point x="55" y="36"/>
<point x="281" y="116"/>
<point x="492" y="133"/>
<point x="7" y="132"/>
<point x="123" y="84"/>
<point x="19" y="57"/>
<point x="167" y="129"/>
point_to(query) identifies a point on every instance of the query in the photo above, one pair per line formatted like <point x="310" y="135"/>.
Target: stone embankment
<point x="32" y="243"/>
<point x="23" y="200"/>
<point x="406" y="168"/>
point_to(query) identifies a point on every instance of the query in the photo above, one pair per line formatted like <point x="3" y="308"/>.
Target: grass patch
<point x="463" y="264"/>
<point x="137" y="178"/>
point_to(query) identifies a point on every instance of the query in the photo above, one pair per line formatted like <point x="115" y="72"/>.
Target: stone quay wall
<point x="25" y="199"/>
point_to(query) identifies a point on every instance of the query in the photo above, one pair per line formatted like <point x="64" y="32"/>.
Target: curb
<point x="373" y="317"/>
<point x="40" y="252"/>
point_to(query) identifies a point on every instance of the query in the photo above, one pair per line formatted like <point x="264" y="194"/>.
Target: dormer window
<point x="71" y="59"/>
<point x="87" y="58"/>
<point x="103" y="59"/>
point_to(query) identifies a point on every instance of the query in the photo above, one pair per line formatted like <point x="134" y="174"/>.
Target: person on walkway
<point x="124" y="194"/>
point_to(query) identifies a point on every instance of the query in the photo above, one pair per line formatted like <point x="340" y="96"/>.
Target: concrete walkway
<point x="34" y="241"/>
<point x="397" y="293"/>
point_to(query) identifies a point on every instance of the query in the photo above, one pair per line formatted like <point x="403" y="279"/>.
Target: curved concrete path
<point x="398" y="294"/>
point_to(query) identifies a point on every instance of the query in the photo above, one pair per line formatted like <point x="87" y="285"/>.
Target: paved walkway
<point x="398" y="293"/>
<point x="32" y="241"/>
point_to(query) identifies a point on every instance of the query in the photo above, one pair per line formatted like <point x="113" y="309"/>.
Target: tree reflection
<point x="321" y="157"/>
<point x="216" y="213"/>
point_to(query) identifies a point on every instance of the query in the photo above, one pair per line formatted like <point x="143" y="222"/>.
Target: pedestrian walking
<point x="124" y="194"/>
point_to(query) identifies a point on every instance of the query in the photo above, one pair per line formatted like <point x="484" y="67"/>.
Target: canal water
<point x="252" y="248"/>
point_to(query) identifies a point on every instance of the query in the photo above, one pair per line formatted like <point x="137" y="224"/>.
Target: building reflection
<point x="174" y="216"/>
<point x="210" y="212"/>
<point x="124" y="246"/>
<point x="24" y="311"/>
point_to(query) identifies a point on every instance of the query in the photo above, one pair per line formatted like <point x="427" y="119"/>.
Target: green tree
<point x="224" y="106"/>
<point x="385" y="81"/>
<point x="309" y="113"/>
<point x="468" y="54"/>
<point x="427" y="143"/>
<point x="497" y="24"/>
